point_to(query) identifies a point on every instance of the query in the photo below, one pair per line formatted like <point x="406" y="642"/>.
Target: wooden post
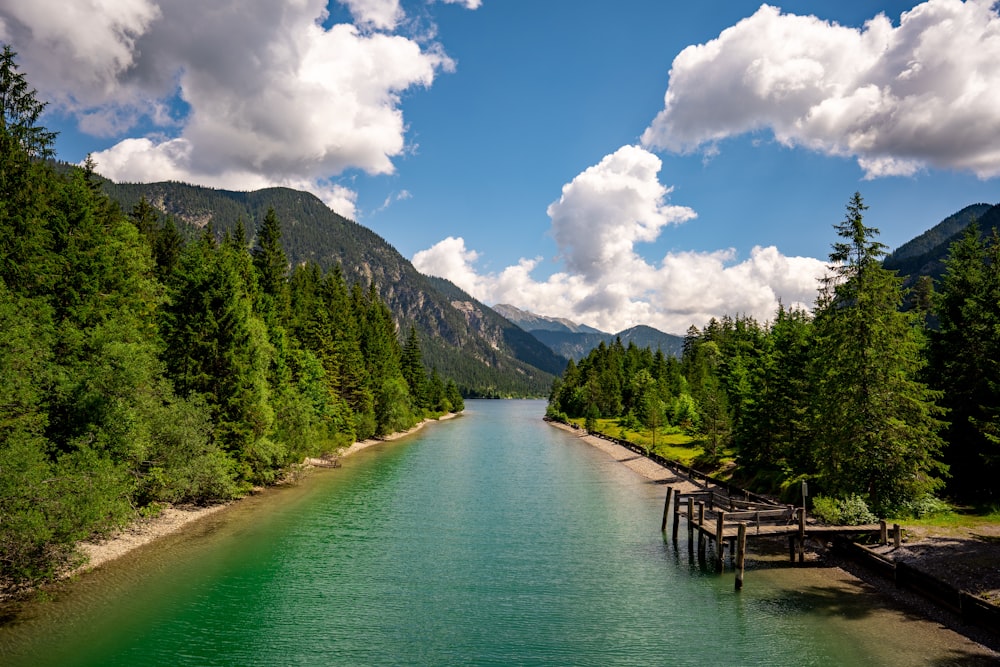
<point x="677" y="512"/>
<point x="883" y="532"/>
<point x="897" y="535"/>
<point x="666" y="510"/>
<point x="802" y="534"/>
<point x="719" y="542"/>
<point x="741" y="552"/>
<point x="690" y="518"/>
<point x="701" y="530"/>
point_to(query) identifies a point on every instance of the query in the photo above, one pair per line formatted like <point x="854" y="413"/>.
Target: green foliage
<point x="875" y="424"/>
<point x="140" y="369"/>
<point x="483" y="353"/>
<point x="924" y="507"/>
<point x="849" y="511"/>
<point x="837" y="398"/>
<point x="965" y="362"/>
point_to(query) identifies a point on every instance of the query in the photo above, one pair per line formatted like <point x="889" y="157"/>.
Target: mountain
<point x="577" y="346"/>
<point x="575" y="341"/>
<point x="925" y="254"/>
<point x="465" y="343"/>
<point x="532" y="322"/>
<point x="644" y="336"/>
<point x="500" y="331"/>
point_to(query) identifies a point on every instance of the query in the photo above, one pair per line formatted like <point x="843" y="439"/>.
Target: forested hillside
<point x="140" y="367"/>
<point x="475" y="352"/>
<point x="863" y="400"/>
<point x="925" y="255"/>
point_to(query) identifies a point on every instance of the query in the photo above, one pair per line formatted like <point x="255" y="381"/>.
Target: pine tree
<point x="393" y="410"/>
<point x="24" y="181"/>
<point x="965" y="354"/>
<point x="218" y="349"/>
<point x="774" y="435"/>
<point x="876" y="425"/>
<point x="272" y="265"/>
<point x="413" y="369"/>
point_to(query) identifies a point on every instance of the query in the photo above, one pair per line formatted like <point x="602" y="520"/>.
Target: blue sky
<point x="526" y="150"/>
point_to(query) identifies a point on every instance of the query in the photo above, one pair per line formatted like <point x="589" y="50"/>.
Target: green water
<point x="492" y="539"/>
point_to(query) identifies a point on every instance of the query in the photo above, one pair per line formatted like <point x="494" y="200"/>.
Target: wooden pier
<point x="726" y="521"/>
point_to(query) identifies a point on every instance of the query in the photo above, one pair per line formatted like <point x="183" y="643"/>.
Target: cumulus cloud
<point x="601" y="216"/>
<point x="896" y="98"/>
<point x="242" y="93"/>
<point x="610" y="207"/>
<point x="381" y="14"/>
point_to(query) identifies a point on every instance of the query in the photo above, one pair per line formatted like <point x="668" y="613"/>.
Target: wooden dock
<point x="726" y="521"/>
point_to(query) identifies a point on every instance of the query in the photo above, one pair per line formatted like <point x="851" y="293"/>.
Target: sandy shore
<point x="642" y="465"/>
<point x="172" y="519"/>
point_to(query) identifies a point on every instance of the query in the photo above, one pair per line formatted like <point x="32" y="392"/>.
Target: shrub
<point x="926" y="505"/>
<point x="850" y="511"/>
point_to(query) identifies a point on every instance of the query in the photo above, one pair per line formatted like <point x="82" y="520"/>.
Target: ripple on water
<point x="492" y="540"/>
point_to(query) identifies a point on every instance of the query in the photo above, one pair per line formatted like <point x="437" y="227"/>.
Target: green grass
<point x="679" y="447"/>
<point x="957" y="518"/>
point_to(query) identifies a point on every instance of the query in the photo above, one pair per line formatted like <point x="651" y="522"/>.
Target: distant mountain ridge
<point x="477" y="352"/>
<point x="924" y="255"/>
<point x="575" y="341"/>
<point x="532" y="322"/>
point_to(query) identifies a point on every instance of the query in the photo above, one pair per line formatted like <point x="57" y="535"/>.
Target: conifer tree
<point x="272" y="264"/>
<point x="413" y="369"/>
<point x="392" y="405"/>
<point x="24" y="178"/>
<point x="965" y="361"/>
<point x="876" y="425"/>
<point x="774" y="435"/>
<point x="218" y="349"/>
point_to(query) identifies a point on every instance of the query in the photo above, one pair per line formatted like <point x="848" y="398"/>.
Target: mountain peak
<point x="532" y="322"/>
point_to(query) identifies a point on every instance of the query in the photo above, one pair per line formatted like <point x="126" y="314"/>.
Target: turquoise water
<point x="491" y="539"/>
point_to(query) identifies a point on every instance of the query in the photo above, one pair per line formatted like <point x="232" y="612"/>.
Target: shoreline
<point x="905" y="599"/>
<point x="172" y="519"/>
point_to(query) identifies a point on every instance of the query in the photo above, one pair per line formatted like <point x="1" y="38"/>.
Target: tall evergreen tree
<point x="272" y="264"/>
<point x="392" y="405"/>
<point x="965" y="361"/>
<point x="24" y="144"/>
<point x="773" y="435"/>
<point x="876" y="428"/>
<point x="413" y="369"/>
<point x="218" y="349"/>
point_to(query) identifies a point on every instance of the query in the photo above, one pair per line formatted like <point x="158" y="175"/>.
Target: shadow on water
<point x="959" y="658"/>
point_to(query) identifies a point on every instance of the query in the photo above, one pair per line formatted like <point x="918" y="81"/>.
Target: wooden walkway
<point x="729" y="521"/>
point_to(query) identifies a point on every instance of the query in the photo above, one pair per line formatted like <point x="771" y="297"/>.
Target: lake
<point x="490" y="539"/>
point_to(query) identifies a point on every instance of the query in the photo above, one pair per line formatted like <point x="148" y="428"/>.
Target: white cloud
<point x="468" y="4"/>
<point x="610" y="207"/>
<point x="380" y="14"/>
<point x="77" y="51"/>
<point x="597" y="222"/>
<point x="450" y="259"/>
<point x="269" y="96"/>
<point x="896" y="98"/>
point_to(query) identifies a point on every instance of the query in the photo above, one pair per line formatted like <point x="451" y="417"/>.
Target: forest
<point x="880" y="408"/>
<point x="143" y="367"/>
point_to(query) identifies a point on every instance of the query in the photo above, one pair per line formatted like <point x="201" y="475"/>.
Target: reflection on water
<point x="491" y="539"/>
